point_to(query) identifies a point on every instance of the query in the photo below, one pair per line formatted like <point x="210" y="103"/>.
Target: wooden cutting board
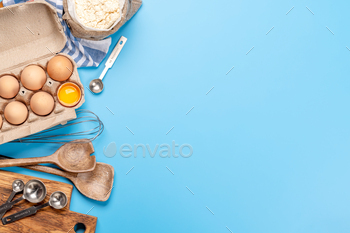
<point x="47" y="220"/>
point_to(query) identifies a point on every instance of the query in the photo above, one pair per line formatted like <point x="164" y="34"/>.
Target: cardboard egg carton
<point x="33" y="35"/>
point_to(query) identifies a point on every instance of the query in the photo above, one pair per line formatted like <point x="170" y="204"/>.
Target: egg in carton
<point x="34" y="35"/>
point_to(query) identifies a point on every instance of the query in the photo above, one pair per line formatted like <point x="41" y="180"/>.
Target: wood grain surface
<point x="47" y="220"/>
<point x="72" y="157"/>
<point x="96" y="185"/>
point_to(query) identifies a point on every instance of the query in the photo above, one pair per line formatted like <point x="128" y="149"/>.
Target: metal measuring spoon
<point x="96" y="85"/>
<point x="17" y="187"/>
<point x="58" y="200"/>
<point x="34" y="191"/>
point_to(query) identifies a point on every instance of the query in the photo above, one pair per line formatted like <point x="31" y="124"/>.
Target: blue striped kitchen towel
<point x="84" y="52"/>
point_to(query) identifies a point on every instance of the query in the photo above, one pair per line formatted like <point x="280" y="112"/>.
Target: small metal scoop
<point x="96" y="85"/>
<point x="58" y="200"/>
<point x="34" y="191"/>
<point x="17" y="187"/>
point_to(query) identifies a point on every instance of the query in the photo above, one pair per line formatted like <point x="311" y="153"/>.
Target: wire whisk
<point x="58" y="134"/>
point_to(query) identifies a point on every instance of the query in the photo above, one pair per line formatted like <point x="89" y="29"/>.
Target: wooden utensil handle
<point x="51" y="170"/>
<point x="45" y="169"/>
<point x="23" y="162"/>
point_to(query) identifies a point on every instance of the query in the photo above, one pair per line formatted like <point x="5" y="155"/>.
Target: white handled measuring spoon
<point x="96" y="85"/>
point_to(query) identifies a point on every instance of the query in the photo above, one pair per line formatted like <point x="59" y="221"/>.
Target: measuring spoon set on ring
<point x="34" y="191"/>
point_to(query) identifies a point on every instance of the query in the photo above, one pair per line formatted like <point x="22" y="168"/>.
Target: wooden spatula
<point x="71" y="157"/>
<point x="96" y="185"/>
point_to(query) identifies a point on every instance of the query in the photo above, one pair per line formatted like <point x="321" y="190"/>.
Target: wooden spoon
<point x="71" y="157"/>
<point x="96" y="185"/>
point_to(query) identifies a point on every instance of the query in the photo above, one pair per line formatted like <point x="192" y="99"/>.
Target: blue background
<point x="270" y="140"/>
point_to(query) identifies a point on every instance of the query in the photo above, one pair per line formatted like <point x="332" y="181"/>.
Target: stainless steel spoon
<point x="58" y="200"/>
<point x="34" y="191"/>
<point x="17" y="187"/>
<point x="96" y="85"/>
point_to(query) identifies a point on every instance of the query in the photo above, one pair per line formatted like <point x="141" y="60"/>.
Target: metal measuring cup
<point x="34" y="191"/>
<point x="58" y="200"/>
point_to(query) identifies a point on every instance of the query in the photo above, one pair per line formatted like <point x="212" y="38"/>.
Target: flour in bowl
<point x="100" y="14"/>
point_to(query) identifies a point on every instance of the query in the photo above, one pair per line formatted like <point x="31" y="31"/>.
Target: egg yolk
<point x="69" y="94"/>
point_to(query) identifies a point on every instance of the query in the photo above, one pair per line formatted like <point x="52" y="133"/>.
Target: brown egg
<point x="60" y="68"/>
<point x="33" y="77"/>
<point x="9" y="86"/>
<point x="16" y="113"/>
<point x="42" y="103"/>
